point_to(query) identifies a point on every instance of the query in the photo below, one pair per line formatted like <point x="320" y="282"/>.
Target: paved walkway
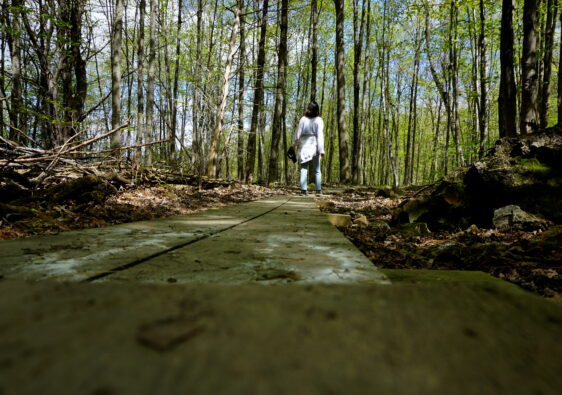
<point x="260" y="298"/>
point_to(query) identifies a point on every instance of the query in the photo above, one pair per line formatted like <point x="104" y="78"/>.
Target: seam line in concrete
<point x="181" y="245"/>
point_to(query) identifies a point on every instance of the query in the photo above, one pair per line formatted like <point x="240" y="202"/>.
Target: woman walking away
<point x="309" y="138"/>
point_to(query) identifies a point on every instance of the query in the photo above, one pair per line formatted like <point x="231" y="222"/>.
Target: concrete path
<point x="261" y="298"/>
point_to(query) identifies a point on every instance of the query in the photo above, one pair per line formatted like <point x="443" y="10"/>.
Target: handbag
<point x="292" y="154"/>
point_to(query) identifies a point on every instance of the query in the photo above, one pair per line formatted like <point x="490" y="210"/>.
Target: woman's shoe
<point x="303" y="192"/>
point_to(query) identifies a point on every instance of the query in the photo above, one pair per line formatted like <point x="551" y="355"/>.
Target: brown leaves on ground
<point x="127" y="205"/>
<point x="529" y="259"/>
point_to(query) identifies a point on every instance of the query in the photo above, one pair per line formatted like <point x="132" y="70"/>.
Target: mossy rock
<point x="10" y="212"/>
<point x="386" y="191"/>
<point x="550" y="239"/>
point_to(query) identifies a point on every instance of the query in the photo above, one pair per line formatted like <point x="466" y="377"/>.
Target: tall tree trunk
<point x="258" y="96"/>
<point x="215" y="138"/>
<point x="175" y="89"/>
<point x="241" y="78"/>
<point x="150" y="80"/>
<point x="551" y="13"/>
<point x="116" y="73"/>
<point x="559" y="101"/>
<point x="507" y="99"/>
<point x="277" y="127"/>
<point x="140" y="77"/>
<point x="529" y="77"/>
<point x="483" y="107"/>
<point x="314" y="13"/>
<point x="195" y="113"/>
<point x="358" y="28"/>
<point x="14" y="43"/>
<point x="345" y="171"/>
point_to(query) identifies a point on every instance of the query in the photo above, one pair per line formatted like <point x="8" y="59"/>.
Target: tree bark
<point x="529" y="78"/>
<point x="258" y="96"/>
<point x="345" y="171"/>
<point x="116" y="41"/>
<point x="140" y="77"/>
<point x="483" y="107"/>
<point x="507" y="99"/>
<point x="215" y="138"/>
<point x="175" y="89"/>
<point x="551" y="13"/>
<point x="241" y="81"/>
<point x="277" y="127"/>
<point x="150" y="81"/>
<point x="358" y="28"/>
<point x="314" y="13"/>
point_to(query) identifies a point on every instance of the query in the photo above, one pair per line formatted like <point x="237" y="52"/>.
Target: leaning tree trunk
<point x="215" y="138"/>
<point x="116" y="41"/>
<point x="345" y="171"/>
<point x="529" y="78"/>
<point x="258" y="97"/>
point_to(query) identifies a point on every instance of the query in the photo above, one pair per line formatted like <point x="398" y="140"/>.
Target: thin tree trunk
<point x="116" y="42"/>
<point x="314" y="60"/>
<point x="345" y="171"/>
<point x="241" y="78"/>
<point x="277" y="127"/>
<point x="258" y="96"/>
<point x="174" y="109"/>
<point x="358" y="28"/>
<point x="215" y="139"/>
<point x="150" y="81"/>
<point x="529" y="78"/>
<point x="483" y="107"/>
<point x="140" y="77"/>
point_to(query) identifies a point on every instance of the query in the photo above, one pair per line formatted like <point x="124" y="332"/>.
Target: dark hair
<point x="312" y="110"/>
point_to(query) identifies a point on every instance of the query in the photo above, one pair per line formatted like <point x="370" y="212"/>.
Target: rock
<point x="324" y="204"/>
<point x="361" y="220"/>
<point x="389" y="192"/>
<point x="512" y="217"/>
<point x="339" y="219"/>
<point x="379" y="228"/>
<point x="413" y="229"/>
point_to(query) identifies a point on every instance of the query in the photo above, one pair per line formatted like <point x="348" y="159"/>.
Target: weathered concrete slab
<point x="79" y="255"/>
<point x="279" y="239"/>
<point x="294" y="243"/>
<point x="426" y="338"/>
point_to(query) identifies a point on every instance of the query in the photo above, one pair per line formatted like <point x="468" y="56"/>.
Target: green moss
<point x="531" y="164"/>
<point x="549" y="239"/>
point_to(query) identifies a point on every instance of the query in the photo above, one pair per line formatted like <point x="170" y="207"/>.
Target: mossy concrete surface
<point x="273" y="300"/>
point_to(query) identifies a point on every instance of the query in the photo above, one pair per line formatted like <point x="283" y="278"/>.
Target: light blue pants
<point x="317" y="173"/>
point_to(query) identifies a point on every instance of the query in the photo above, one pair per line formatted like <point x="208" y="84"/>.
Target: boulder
<point x="512" y="217"/>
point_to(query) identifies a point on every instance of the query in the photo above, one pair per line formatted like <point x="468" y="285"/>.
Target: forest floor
<point x="529" y="259"/>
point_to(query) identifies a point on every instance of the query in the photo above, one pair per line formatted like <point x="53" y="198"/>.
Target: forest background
<point x="408" y="89"/>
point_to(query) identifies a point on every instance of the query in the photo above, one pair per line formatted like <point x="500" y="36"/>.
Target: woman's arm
<point x="298" y="133"/>
<point x="320" y="135"/>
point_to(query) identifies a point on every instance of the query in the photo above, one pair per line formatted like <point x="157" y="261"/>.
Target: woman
<point x="310" y="140"/>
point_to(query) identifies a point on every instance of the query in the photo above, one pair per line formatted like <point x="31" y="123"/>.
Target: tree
<point x="529" y="77"/>
<point x="277" y="127"/>
<point x="258" y="96"/>
<point x="116" y="73"/>
<point x="345" y="171"/>
<point x="215" y="138"/>
<point x="507" y="99"/>
<point x="150" y="80"/>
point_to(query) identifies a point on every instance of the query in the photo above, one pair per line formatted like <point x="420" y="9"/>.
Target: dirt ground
<point x="531" y="260"/>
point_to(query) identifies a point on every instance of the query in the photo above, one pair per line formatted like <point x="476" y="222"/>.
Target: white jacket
<point x="310" y="136"/>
